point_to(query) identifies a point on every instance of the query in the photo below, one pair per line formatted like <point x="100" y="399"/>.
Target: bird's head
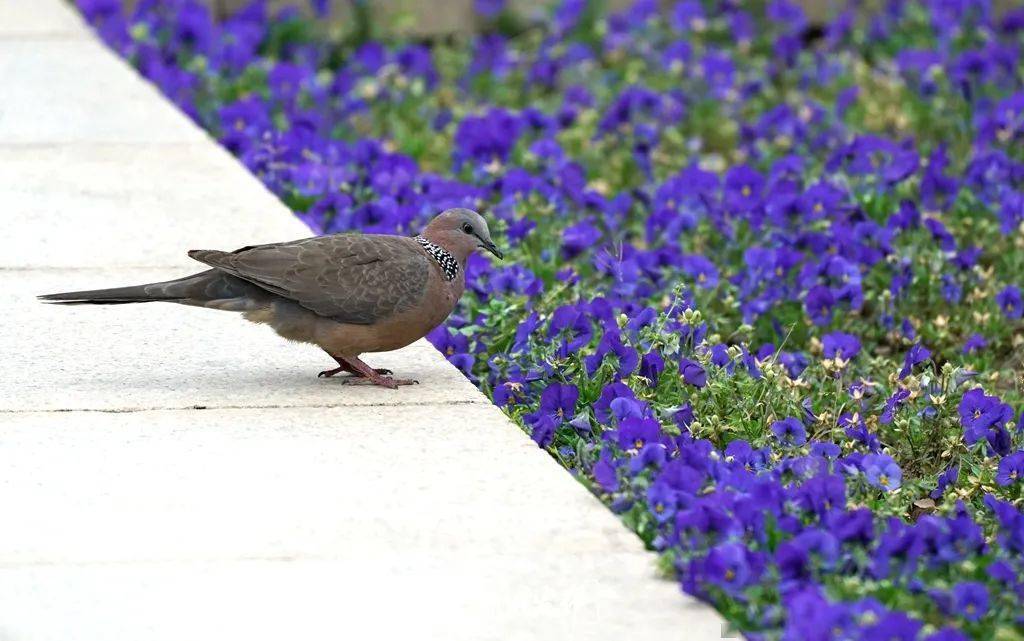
<point x="461" y="232"/>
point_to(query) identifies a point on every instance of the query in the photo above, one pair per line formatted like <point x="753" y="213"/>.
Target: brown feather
<point x="349" y="278"/>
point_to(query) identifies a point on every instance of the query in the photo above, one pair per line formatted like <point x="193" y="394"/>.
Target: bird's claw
<point x="327" y="373"/>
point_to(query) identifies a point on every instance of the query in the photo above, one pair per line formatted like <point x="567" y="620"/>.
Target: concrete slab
<point x="298" y="523"/>
<point x="158" y="355"/>
<point x="102" y="205"/>
<point x="452" y="598"/>
<point x="293" y="483"/>
<point x="31" y="18"/>
<point x="76" y="90"/>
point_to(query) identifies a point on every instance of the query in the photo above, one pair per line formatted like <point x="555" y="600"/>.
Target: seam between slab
<point x="203" y="408"/>
<point x="270" y="558"/>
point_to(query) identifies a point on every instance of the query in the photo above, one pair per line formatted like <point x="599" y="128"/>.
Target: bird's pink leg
<point x="367" y="375"/>
<point x="345" y="367"/>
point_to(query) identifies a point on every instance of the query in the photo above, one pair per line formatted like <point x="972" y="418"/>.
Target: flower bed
<point x="763" y="295"/>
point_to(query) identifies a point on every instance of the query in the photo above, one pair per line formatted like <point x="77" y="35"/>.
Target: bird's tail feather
<point x="113" y="296"/>
<point x="197" y="287"/>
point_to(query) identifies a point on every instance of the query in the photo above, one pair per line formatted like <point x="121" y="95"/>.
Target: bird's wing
<point x="351" y="278"/>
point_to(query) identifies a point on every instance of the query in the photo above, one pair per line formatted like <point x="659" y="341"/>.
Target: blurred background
<point x="432" y="18"/>
<point x="440" y="17"/>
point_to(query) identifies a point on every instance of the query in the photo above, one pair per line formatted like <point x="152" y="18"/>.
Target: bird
<point x="348" y="293"/>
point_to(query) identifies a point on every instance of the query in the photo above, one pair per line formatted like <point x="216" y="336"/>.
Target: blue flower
<point x="974" y="343"/>
<point x="557" y="406"/>
<point x="693" y="373"/>
<point x="730" y="566"/>
<point x="742" y="189"/>
<point x="579" y="237"/>
<point x="487" y="137"/>
<point x="605" y="474"/>
<point x="489" y="8"/>
<point x="635" y="433"/>
<point x="882" y="471"/>
<point x="840" y="344"/>
<point x="946" y="478"/>
<point x="790" y="431"/>
<point x="970" y="600"/>
<point x="894" y="626"/>
<point x="662" y="502"/>
<point x="916" y="355"/>
<point x="651" y="367"/>
<point x="982" y="416"/>
<point x="1011" y="469"/>
<point x="1010" y="301"/>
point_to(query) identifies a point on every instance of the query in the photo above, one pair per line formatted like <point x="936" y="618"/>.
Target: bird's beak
<point x="491" y="247"/>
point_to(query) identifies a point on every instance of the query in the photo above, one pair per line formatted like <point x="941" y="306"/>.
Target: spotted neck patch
<point x="448" y="264"/>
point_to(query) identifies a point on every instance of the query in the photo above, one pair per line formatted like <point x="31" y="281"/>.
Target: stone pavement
<point x="175" y="473"/>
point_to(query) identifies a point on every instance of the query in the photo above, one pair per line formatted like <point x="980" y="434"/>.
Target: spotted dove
<point x="348" y="293"/>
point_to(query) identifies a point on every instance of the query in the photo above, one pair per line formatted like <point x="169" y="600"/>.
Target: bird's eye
<point x="466" y="227"/>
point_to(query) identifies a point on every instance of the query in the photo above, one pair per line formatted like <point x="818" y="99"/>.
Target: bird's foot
<point x="383" y="381"/>
<point x="363" y="374"/>
<point x="327" y="373"/>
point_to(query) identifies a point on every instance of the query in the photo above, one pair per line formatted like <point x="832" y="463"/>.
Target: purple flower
<point x="448" y="342"/>
<point x="605" y="474"/>
<point x="974" y="343"/>
<point x="947" y="478"/>
<point x="557" y="406"/>
<point x="651" y="367"/>
<point x="611" y="344"/>
<point x="491" y="56"/>
<point x="579" y="237"/>
<point x="882" y="471"/>
<point x="970" y="600"/>
<point x="558" y="400"/>
<point x="687" y="15"/>
<point x="742" y="189"/>
<point x="543" y="430"/>
<point x="893" y="626"/>
<point x="981" y="414"/>
<point x="793" y="557"/>
<point x="790" y="431"/>
<point x="811" y="617"/>
<point x="487" y="137"/>
<point x="893" y="403"/>
<point x="916" y="355"/>
<point x="489" y="8"/>
<point x="846" y="346"/>
<point x="702" y="270"/>
<point x="1009" y="300"/>
<point x="636" y="432"/>
<point x="693" y="373"/>
<point x="719" y="73"/>
<point x="661" y="501"/>
<point x="1011" y="469"/>
<point x="819" y="304"/>
<point x="730" y="566"/>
